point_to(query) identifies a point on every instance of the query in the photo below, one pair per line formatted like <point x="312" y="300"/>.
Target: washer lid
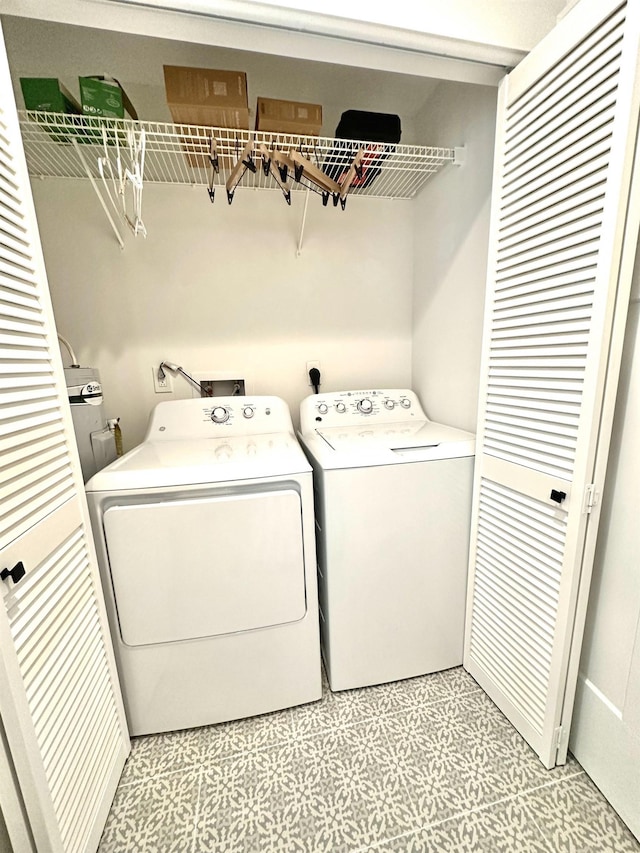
<point x="387" y="444"/>
<point x="200" y="461"/>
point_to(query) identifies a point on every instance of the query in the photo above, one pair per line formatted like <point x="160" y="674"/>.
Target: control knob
<point x="323" y="408"/>
<point x="340" y="407"/>
<point x="405" y="403"/>
<point x="219" y="415"/>
<point x="249" y="411"/>
<point x="389" y="404"/>
<point x="365" y="406"/>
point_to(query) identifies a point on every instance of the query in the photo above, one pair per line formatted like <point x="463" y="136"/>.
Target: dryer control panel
<point x="212" y="417"/>
<point x="350" y="408"/>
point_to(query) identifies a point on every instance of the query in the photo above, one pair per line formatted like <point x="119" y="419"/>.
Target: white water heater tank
<point x="96" y="444"/>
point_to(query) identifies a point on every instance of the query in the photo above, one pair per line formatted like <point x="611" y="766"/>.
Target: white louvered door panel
<point x="60" y="700"/>
<point x="564" y="152"/>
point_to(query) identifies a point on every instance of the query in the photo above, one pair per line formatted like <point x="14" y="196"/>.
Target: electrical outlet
<point x="311" y="364"/>
<point x="161" y="385"/>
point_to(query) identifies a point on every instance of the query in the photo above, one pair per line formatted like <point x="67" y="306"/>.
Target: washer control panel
<point x="349" y="408"/>
<point x="212" y="417"/>
<point x="222" y="414"/>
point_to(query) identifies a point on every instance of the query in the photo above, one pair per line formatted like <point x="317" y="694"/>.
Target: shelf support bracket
<point x="116" y="231"/>
<point x="302" y="224"/>
<point x="459" y="156"/>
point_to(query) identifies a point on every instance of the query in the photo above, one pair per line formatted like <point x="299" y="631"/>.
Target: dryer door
<point x="185" y="569"/>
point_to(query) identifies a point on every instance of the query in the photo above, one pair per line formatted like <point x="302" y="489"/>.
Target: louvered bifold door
<point x="564" y="158"/>
<point x="60" y="701"/>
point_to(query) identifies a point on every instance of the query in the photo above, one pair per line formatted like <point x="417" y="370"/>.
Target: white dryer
<point x="205" y="540"/>
<point x="393" y="510"/>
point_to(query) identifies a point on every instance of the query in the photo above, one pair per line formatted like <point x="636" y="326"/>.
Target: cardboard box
<point x="49" y="95"/>
<point x="101" y="95"/>
<point x="273" y="115"/>
<point x="206" y="96"/>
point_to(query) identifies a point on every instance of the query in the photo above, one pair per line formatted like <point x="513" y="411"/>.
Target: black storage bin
<point x="373" y="127"/>
<point x="368" y="127"/>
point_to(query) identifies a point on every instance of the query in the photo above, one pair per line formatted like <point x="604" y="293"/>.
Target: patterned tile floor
<point x="420" y="766"/>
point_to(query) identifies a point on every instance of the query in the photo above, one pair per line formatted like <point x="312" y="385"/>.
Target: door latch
<point x="591" y="498"/>
<point x="16" y="573"/>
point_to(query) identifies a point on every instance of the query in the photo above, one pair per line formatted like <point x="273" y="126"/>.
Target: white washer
<point x="205" y="540"/>
<point x="393" y="509"/>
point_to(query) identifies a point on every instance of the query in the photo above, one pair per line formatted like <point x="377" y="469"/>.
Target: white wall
<point x="218" y="286"/>
<point x="605" y="735"/>
<point x="451" y="240"/>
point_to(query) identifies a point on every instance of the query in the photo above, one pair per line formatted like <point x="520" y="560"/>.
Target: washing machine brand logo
<point x="365" y="393"/>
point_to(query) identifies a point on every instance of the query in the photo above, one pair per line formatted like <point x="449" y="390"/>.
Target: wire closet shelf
<point x="180" y="154"/>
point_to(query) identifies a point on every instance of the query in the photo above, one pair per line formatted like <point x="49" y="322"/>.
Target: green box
<point x="104" y="96"/>
<point x="47" y="94"/>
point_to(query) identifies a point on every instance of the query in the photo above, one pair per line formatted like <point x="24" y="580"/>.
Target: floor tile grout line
<point x="163" y="774"/>
<point x="547" y="843"/>
<point x="462" y="815"/>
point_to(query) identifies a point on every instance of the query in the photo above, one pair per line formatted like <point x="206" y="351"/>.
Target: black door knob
<point x="16" y="573"/>
<point x="556" y="496"/>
